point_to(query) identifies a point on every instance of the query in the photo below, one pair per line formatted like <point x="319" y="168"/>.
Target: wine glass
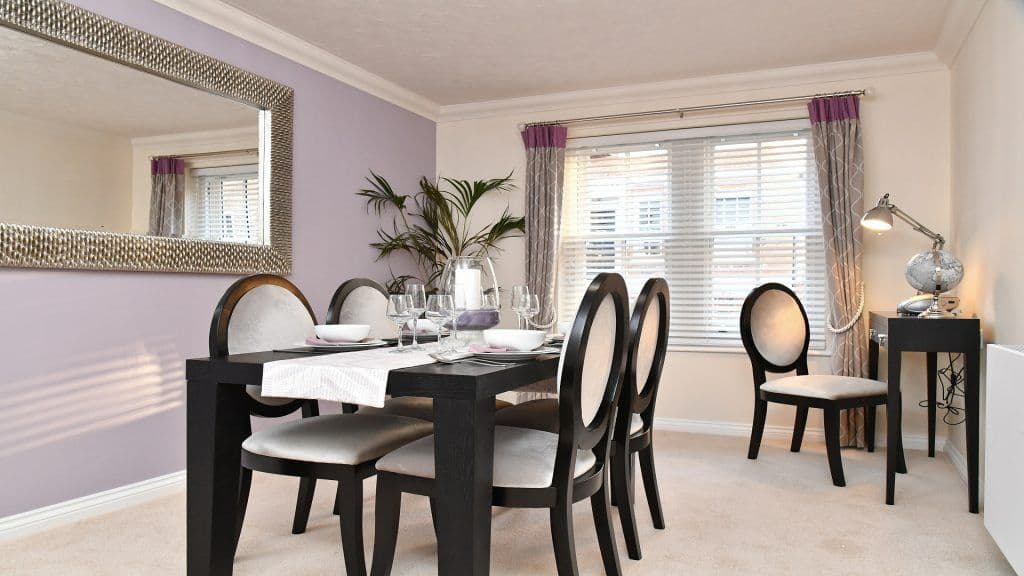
<point x="417" y="294"/>
<point x="530" y="307"/>
<point x="439" y="307"/>
<point x="399" y="312"/>
<point x="518" y="292"/>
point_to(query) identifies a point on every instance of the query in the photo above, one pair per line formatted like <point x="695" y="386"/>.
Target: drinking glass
<point x="417" y="294"/>
<point x="530" y="307"/>
<point x="518" y="292"/>
<point x="439" y="307"/>
<point x="399" y="312"/>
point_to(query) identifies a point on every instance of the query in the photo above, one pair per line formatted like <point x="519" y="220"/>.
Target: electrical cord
<point x="951" y="379"/>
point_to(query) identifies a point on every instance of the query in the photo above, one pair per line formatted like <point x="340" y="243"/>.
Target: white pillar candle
<point x="467" y="288"/>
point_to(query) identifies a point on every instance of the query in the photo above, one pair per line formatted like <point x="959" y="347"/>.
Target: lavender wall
<point x="91" y="363"/>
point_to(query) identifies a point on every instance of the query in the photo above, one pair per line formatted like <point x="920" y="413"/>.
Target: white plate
<point x="511" y="356"/>
<point x="346" y="345"/>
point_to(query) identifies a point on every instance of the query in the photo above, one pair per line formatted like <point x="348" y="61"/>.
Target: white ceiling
<point x="459" y="51"/>
<point x="54" y="83"/>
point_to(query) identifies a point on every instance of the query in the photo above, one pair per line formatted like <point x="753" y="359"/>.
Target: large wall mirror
<point x="122" y="151"/>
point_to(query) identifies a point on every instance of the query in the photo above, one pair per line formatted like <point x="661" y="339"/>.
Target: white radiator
<point x="1004" y="451"/>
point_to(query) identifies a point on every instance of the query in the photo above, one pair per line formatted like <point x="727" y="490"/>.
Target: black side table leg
<point x="972" y="385"/>
<point x="892" y="429"/>
<point x="933" y="368"/>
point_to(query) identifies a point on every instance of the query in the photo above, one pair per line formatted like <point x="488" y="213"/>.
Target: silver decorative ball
<point x="934" y="271"/>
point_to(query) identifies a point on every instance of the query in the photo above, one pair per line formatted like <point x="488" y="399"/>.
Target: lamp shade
<point x="878" y="219"/>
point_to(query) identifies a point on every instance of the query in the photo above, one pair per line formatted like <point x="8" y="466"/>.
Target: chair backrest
<point x="648" y="346"/>
<point x="261" y="313"/>
<point x="361" y="301"/>
<point x="775" y="330"/>
<point x="591" y="369"/>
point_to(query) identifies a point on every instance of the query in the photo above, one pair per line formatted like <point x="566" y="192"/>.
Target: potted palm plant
<point x="433" y="224"/>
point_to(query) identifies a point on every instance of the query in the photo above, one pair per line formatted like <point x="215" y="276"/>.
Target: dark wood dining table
<point x="218" y="423"/>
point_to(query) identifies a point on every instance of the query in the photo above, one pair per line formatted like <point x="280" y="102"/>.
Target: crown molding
<point x="252" y="29"/>
<point x="760" y="79"/>
<point x="960" y="19"/>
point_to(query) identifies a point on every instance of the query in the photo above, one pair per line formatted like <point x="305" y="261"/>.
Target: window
<point x="224" y="204"/>
<point x="715" y="211"/>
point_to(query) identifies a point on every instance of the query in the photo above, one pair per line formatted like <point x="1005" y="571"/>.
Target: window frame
<point x="730" y="130"/>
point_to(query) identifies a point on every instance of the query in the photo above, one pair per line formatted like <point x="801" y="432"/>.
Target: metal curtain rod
<point x="683" y="111"/>
<point x="217" y="153"/>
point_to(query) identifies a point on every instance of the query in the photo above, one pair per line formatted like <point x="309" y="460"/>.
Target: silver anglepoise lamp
<point x="934" y="271"/>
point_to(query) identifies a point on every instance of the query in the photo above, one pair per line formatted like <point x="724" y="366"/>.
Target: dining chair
<point x="363" y="301"/>
<point x="634" y="426"/>
<point x="265" y="312"/>
<point x="776" y="335"/>
<point x="533" y="468"/>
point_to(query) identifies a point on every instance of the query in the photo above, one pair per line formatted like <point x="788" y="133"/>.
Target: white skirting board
<point x="78" y="509"/>
<point x="910" y="441"/>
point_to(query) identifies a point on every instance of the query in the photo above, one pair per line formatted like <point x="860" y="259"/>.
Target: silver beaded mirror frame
<point x="25" y="246"/>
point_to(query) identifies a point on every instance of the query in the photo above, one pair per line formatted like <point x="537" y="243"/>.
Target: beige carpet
<point x="725" y="515"/>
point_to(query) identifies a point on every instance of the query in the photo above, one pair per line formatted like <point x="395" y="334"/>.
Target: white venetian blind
<point x="225" y="204"/>
<point x="716" y="212"/>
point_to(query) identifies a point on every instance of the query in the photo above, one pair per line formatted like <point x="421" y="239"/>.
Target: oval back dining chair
<point x="363" y="301"/>
<point x="533" y="468"/>
<point x="776" y="335"/>
<point x="256" y="314"/>
<point x="634" y="427"/>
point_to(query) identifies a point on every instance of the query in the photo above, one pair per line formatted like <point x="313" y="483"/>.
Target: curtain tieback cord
<point x="860" y="311"/>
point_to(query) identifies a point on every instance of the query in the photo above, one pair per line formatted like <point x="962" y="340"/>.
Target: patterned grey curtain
<point x="838" y="153"/>
<point x="167" y="201"/>
<point x="545" y="175"/>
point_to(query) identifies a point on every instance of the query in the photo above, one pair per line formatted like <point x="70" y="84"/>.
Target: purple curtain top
<point x="545" y="136"/>
<point x="167" y="165"/>
<point x="834" y="108"/>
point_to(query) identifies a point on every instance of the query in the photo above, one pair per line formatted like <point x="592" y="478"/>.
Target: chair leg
<point x="600" y="504"/>
<point x="303" y="503"/>
<point x="798" y="428"/>
<point x="244" y="485"/>
<point x="760" y="415"/>
<point x="651" y="486"/>
<point x="835" y="459"/>
<point x="433" y="515"/>
<point x="562" y="538"/>
<point x="352" y="526"/>
<point x="622" y="480"/>
<point x="385" y="533"/>
<point x="869" y="427"/>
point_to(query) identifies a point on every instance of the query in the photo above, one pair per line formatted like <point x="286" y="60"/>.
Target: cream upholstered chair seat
<point x="349" y="439"/>
<point x="826" y="386"/>
<point x="523" y="458"/>
<point x="414" y="407"/>
<point x="543" y="415"/>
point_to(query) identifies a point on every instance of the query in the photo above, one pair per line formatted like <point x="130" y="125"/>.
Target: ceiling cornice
<point x="248" y="27"/>
<point x="960" y="18"/>
<point x="760" y="79"/>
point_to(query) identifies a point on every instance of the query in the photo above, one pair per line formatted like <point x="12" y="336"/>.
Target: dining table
<point x="463" y="397"/>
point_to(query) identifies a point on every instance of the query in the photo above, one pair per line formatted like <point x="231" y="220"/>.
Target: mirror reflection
<point x="89" y="144"/>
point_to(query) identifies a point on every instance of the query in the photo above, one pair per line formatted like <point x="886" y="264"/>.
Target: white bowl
<point x="341" y="332"/>
<point x="515" y="340"/>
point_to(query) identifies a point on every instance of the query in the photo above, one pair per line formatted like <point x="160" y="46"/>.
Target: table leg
<point x="892" y="429"/>
<point x="217" y="423"/>
<point x="464" y="465"/>
<point x="972" y="391"/>
<point x="933" y="368"/>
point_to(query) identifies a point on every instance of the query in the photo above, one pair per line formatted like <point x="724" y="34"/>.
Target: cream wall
<point x="63" y="176"/>
<point x="988" y="185"/>
<point x="906" y="150"/>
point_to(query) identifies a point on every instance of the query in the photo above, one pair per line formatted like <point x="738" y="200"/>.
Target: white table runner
<point x="351" y="377"/>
